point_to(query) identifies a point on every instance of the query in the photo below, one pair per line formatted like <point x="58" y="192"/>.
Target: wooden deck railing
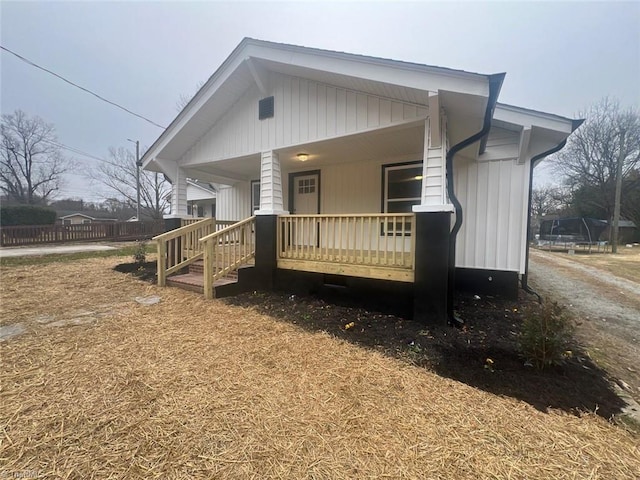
<point x="375" y="240"/>
<point x="226" y="250"/>
<point x="180" y="247"/>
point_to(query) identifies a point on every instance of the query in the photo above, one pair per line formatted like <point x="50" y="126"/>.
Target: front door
<point x="305" y="200"/>
<point x="305" y="194"/>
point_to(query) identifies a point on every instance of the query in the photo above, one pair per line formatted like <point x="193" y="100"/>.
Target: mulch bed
<point x="484" y="353"/>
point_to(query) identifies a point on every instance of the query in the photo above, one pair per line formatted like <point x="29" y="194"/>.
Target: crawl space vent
<point x="265" y="108"/>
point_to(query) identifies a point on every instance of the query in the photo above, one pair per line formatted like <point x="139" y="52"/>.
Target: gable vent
<point x="265" y="108"/>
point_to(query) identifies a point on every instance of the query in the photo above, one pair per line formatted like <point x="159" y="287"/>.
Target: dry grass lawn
<point x="625" y="264"/>
<point x="190" y="388"/>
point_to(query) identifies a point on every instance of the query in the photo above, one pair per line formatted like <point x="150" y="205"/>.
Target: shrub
<point x="140" y="253"/>
<point x="547" y="335"/>
<point x="11" y="215"/>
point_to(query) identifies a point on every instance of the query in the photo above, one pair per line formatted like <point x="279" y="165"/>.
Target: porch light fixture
<point x="303" y="157"/>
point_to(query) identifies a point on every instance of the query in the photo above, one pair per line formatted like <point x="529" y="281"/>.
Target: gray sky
<point x="559" y="57"/>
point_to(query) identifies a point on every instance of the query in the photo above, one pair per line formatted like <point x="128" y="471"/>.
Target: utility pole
<point x="137" y="142"/>
<point x="616" y="207"/>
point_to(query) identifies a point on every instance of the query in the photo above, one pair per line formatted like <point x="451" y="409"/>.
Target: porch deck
<point x="352" y="263"/>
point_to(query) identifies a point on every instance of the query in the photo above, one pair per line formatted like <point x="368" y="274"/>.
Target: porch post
<point x="179" y="194"/>
<point x="433" y="223"/>
<point x="271" y="205"/>
<point x="178" y="201"/>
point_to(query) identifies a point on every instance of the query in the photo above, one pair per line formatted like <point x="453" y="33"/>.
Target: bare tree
<point x="31" y="164"/>
<point x="547" y="200"/>
<point x="184" y="99"/>
<point x="118" y="174"/>
<point x="590" y="159"/>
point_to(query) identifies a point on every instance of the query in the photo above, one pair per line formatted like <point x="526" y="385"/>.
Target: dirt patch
<point x="189" y="388"/>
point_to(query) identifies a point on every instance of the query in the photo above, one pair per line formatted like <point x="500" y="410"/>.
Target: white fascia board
<point x="197" y="102"/>
<point x="531" y="118"/>
<point x="420" y="77"/>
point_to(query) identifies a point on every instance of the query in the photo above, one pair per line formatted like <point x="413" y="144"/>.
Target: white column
<point x="271" y="197"/>
<point x="434" y="184"/>
<point x="179" y="194"/>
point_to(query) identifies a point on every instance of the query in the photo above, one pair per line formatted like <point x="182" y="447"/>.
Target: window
<point x="66" y="221"/>
<point x="402" y="185"/>
<point x="86" y="221"/>
<point x="255" y="196"/>
<point x="307" y="185"/>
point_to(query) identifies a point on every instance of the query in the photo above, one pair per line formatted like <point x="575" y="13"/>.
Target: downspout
<point x="495" y="83"/>
<point x="525" y="277"/>
<point x="524" y="281"/>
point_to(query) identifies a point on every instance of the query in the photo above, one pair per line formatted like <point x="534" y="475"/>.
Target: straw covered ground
<point x="100" y="386"/>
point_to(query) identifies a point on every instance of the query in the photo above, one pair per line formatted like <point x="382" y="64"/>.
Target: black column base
<point x="266" y="251"/>
<point x="488" y="282"/>
<point x="172" y="223"/>
<point x="432" y="267"/>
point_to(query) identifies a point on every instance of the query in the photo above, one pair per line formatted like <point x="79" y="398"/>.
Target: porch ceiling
<point x="406" y="141"/>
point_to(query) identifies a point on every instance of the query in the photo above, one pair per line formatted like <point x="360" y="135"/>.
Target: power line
<point x="81" y="88"/>
<point x="76" y="151"/>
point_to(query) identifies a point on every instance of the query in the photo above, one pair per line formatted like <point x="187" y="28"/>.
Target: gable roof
<point x="245" y="67"/>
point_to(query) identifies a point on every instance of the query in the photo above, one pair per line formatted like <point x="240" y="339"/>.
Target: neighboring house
<point x="628" y="232"/>
<point x="364" y="168"/>
<point x="201" y="199"/>
<point x="78" y="218"/>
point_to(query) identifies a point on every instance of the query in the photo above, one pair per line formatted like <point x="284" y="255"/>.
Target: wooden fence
<point x="89" y="232"/>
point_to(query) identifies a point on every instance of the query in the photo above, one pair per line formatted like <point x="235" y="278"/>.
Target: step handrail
<point x="225" y="229"/>
<point x="226" y="250"/>
<point x="180" y="247"/>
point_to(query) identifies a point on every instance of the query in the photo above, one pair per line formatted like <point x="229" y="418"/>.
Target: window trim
<point x="384" y="186"/>
<point x="384" y="228"/>
<point x="252" y="207"/>
<point x="293" y="176"/>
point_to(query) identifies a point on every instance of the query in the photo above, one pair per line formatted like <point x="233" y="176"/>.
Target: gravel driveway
<point x="607" y="309"/>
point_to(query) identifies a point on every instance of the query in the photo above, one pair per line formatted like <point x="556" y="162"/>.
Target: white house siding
<point x="352" y="188"/>
<point x="493" y="233"/>
<point x="501" y="144"/>
<point x="234" y="203"/>
<point x="305" y="111"/>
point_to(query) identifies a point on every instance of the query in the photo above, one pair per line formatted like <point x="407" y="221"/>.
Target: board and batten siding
<point x="501" y="144"/>
<point x="234" y="203"/>
<point x="305" y="111"/>
<point x="346" y="188"/>
<point x="493" y="233"/>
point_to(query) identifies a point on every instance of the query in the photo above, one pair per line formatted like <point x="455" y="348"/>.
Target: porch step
<point x="194" y="280"/>
<point x="197" y="268"/>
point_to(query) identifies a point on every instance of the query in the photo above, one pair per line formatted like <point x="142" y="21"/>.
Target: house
<point x="78" y="218"/>
<point x="201" y="199"/>
<point x="355" y="170"/>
